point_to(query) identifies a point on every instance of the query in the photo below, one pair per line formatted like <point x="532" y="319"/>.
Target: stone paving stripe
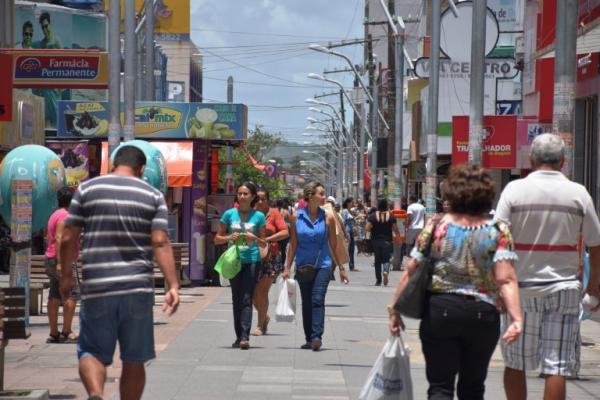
<point x="302" y="397"/>
<point x="262" y="388"/>
<point x="211" y="320"/>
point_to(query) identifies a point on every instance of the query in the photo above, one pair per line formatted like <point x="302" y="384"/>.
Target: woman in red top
<point x="272" y="264"/>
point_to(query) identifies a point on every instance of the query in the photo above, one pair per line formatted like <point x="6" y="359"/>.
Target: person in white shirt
<point x="416" y="220"/>
<point x="548" y="215"/>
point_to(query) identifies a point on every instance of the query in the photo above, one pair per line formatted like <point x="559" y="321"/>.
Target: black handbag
<point x="412" y="302"/>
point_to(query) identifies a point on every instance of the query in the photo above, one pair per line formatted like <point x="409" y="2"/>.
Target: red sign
<point x="498" y="144"/>
<point x="587" y="66"/>
<point x="5" y="87"/>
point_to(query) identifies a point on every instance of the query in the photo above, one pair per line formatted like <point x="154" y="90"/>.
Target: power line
<point x="265" y="34"/>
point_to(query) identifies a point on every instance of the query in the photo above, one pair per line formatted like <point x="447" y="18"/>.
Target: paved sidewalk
<point x="200" y="364"/>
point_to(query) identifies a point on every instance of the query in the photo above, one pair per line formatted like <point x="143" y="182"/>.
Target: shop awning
<point x="178" y="156"/>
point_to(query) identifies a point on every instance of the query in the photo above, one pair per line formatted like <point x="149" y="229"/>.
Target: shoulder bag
<point x="306" y="273"/>
<point x="413" y="299"/>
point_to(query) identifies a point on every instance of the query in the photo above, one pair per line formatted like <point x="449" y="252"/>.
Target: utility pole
<point x="339" y="166"/>
<point x="7" y="18"/>
<point x="114" y="76"/>
<point x="432" y="116"/>
<point x="149" y="6"/>
<point x="130" y="61"/>
<point x="229" y="149"/>
<point x="477" y="80"/>
<point x="399" y="114"/>
<point x="375" y="135"/>
<point x="391" y="97"/>
<point x="565" y="59"/>
<point x="347" y="146"/>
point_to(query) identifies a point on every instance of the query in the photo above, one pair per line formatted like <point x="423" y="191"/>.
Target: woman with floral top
<point x="473" y="274"/>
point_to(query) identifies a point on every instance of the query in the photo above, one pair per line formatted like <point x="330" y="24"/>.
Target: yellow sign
<point x="172" y="20"/>
<point x="150" y="120"/>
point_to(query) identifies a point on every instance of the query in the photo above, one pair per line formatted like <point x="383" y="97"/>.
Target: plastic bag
<point x="286" y="302"/>
<point x="390" y="376"/>
<point x="229" y="265"/>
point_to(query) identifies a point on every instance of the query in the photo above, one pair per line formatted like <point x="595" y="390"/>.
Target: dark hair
<point x="280" y="203"/>
<point x="44" y="16"/>
<point x="64" y="196"/>
<point x="469" y="189"/>
<point x="310" y="189"/>
<point x="347" y="202"/>
<point x="251" y="186"/>
<point x="263" y="189"/>
<point x="412" y="198"/>
<point x="130" y="156"/>
<point x="27" y="24"/>
<point x="382" y="205"/>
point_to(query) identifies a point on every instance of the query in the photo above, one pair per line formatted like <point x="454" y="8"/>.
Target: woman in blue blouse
<point x="245" y="226"/>
<point x="312" y="237"/>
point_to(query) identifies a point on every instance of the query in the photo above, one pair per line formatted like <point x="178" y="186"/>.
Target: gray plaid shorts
<point x="550" y="335"/>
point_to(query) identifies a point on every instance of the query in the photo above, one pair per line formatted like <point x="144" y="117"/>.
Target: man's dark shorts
<point x="54" y="278"/>
<point x="127" y="319"/>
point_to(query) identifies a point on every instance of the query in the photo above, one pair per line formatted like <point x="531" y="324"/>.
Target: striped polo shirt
<point x="117" y="215"/>
<point x="548" y="214"/>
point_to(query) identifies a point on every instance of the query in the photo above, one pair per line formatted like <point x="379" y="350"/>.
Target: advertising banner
<point x="75" y="156"/>
<point x="199" y="227"/>
<point x="527" y="130"/>
<point x="498" y="144"/>
<point x="64" y="69"/>
<point x="172" y="19"/>
<point x="6" y="87"/>
<point x="45" y="26"/>
<point x="158" y="120"/>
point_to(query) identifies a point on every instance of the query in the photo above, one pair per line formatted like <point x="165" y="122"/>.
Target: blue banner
<point x="157" y="120"/>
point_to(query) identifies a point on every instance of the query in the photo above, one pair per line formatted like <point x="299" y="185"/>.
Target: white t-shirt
<point x="547" y="214"/>
<point x="417" y="216"/>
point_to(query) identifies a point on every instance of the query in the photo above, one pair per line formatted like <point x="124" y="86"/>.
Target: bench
<point x="38" y="281"/>
<point x="12" y="314"/>
<point x="181" y="254"/>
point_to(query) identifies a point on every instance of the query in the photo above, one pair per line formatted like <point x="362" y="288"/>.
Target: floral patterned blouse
<point x="463" y="257"/>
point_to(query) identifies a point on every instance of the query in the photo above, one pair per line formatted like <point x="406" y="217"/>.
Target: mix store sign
<point x="162" y="120"/>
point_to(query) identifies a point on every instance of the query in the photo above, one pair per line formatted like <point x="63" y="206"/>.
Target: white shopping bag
<point x="390" y="376"/>
<point x="286" y="302"/>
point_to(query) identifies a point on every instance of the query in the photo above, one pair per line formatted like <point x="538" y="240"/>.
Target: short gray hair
<point x="548" y="149"/>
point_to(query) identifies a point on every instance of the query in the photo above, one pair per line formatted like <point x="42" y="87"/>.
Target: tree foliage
<point x="259" y="143"/>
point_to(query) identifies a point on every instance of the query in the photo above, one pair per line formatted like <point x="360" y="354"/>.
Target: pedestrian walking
<point x="312" y="235"/>
<point x="56" y="225"/>
<point x="383" y="228"/>
<point x="284" y="210"/>
<point x="416" y="220"/>
<point x="360" y="220"/>
<point x="124" y="221"/>
<point x="472" y="269"/>
<point x="548" y="214"/>
<point x="271" y="266"/>
<point x="348" y="220"/>
<point x="245" y="227"/>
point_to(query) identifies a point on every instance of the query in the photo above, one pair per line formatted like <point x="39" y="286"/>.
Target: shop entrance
<point x="586" y="145"/>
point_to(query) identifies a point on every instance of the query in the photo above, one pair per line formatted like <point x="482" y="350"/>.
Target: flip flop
<point x="54" y="339"/>
<point x="69" y="337"/>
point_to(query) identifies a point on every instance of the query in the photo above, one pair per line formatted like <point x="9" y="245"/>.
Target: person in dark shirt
<point x="383" y="227"/>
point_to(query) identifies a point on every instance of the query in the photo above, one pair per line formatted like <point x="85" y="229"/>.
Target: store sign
<point x="498" y="143"/>
<point x="588" y="66"/>
<point x="60" y="69"/>
<point x="528" y="128"/>
<point x="5" y="87"/>
<point x="156" y="120"/>
<point x="75" y="156"/>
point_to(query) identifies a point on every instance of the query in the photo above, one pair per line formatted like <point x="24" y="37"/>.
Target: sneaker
<point x="385" y="278"/>
<point x="306" y="346"/>
<point x="236" y="344"/>
<point x="244" y="345"/>
<point x="316" y="344"/>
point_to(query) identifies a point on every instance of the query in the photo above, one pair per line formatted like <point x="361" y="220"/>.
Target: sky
<point x="263" y="45"/>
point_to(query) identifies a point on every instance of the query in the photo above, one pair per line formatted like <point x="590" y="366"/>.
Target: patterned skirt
<point x="272" y="267"/>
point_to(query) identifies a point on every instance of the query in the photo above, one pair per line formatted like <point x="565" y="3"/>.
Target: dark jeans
<point x="242" y="289"/>
<point x="282" y="249"/>
<point x="383" y="251"/>
<point x="313" y="304"/>
<point x="351" y="251"/>
<point x="458" y="336"/>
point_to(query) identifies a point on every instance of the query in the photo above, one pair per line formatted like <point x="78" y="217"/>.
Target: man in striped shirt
<point x="124" y="224"/>
<point x="548" y="214"/>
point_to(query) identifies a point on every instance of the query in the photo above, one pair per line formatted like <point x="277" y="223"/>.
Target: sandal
<point x="69" y="337"/>
<point x="258" y="331"/>
<point x="54" y="338"/>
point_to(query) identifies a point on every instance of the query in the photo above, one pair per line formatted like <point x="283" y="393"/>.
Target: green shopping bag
<point x="229" y="264"/>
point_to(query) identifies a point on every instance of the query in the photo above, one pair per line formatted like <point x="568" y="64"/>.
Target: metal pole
<point x="339" y="169"/>
<point x="229" y="150"/>
<point x="399" y="119"/>
<point x="130" y="67"/>
<point x="361" y="155"/>
<point x="149" y="5"/>
<point x="114" y="76"/>
<point x="432" y="120"/>
<point x="477" y="81"/>
<point x="565" y="60"/>
<point x="375" y="135"/>
<point x="347" y="144"/>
